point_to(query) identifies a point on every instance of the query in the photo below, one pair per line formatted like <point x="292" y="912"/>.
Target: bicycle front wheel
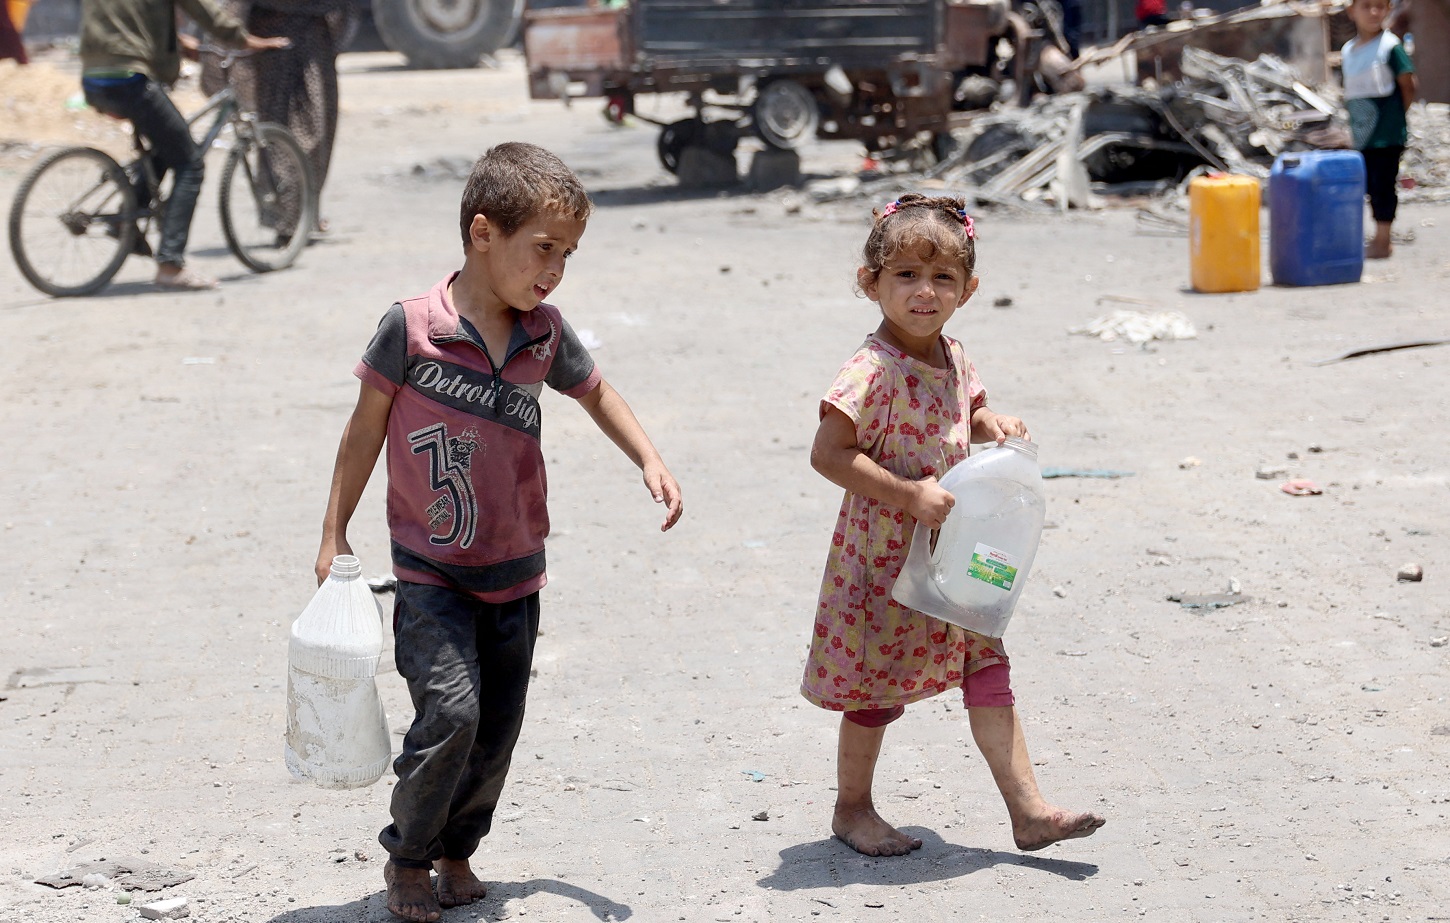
<point x="73" y="222"/>
<point x="267" y="203"/>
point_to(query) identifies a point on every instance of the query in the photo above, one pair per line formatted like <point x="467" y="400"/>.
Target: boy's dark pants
<point x="467" y="665"/>
<point x="145" y="103"/>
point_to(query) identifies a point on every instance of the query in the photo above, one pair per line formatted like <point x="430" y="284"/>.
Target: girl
<point x="901" y="412"/>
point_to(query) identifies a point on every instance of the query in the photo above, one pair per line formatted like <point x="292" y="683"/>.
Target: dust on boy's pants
<point x="456" y="754"/>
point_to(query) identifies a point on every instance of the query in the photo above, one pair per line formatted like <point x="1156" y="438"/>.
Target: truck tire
<point x="436" y="34"/>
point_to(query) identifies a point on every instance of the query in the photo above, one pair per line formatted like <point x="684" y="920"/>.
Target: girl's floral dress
<point x="868" y="651"/>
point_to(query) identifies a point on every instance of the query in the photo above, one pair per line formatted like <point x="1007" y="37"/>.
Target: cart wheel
<point x="786" y="114"/>
<point x="675" y="137"/>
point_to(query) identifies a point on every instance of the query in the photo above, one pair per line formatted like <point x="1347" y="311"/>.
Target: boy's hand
<point x="330" y="550"/>
<point x="931" y="503"/>
<point x="997" y="427"/>
<point x="662" y="487"/>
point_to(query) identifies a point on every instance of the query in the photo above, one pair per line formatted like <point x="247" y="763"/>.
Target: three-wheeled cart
<point x="883" y="72"/>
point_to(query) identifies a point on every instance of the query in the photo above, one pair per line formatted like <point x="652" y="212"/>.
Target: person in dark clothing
<point x="129" y="55"/>
<point x="296" y="88"/>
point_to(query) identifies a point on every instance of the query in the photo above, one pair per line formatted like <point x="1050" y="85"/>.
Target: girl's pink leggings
<point x="989" y="687"/>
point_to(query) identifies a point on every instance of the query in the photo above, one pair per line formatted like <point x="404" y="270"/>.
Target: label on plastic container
<point x="994" y="566"/>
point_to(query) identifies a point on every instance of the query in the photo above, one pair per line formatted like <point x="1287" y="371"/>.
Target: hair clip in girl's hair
<point x="966" y="219"/>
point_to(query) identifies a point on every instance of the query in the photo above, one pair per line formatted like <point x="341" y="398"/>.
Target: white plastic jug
<point x="975" y="570"/>
<point x="337" y="733"/>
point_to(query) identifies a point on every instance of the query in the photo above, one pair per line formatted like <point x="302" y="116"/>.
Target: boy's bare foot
<point x="410" y="894"/>
<point x="863" y="830"/>
<point x="457" y="885"/>
<point x="1054" y="826"/>
<point x="1375" y="250"/>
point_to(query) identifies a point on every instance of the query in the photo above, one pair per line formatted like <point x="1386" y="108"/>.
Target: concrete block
<point x="772" y="168"/>
<point x="702" y="166"/>
<point x="173" y="908"/>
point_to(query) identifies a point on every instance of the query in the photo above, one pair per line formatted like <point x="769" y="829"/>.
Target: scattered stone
<point x="763" y="815"/>
<point x="1410" y="573"/>
<point x="1439" y="642"/>
<point x="1270" y="472"/>
<point x="1209" y="600"/>
<point x="173" y="908"/>
<point x="1002" y="301"/>
<point x="1059" y="592"/>
<point x="1190" y="462"/>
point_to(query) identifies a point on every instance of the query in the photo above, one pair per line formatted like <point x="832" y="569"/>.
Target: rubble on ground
<point x="1082" y="149"/>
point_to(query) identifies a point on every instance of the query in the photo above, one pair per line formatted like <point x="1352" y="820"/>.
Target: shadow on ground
<point x="830" y="864"/>
<point x="670" y="191"/>
<point x="374" y="907"/>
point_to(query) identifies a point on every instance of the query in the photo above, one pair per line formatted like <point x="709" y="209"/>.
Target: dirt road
<point x="1286" y="758"/>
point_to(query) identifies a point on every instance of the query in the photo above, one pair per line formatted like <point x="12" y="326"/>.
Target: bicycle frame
<point x="228" y="111"/>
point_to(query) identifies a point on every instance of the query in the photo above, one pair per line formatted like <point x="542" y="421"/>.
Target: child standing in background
<point x="451" y="382"/>
<point x="1379" y="86"/>
<point x="901" y="412"/>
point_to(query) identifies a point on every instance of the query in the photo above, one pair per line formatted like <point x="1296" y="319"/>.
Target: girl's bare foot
<point x="1052" y="826"/>
<point x="457" y="885"/>
<point x="863" y="830"/>
<point x="410" y="894"/>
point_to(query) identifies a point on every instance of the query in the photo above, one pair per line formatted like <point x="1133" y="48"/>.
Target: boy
<point x="451" y="382"/>
<point x="1379" y="85"/>
<point x="129" y="55"/>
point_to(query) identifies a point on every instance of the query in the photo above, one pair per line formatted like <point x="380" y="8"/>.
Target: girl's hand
<point x="661" y="485"/>
<point x="997" y="427"/>
<point x="930" y="503"/>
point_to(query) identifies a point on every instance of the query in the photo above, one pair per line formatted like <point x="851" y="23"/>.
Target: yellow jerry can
<point x="1223" y="233"/>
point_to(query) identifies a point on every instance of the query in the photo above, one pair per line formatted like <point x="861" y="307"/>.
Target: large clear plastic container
<point x="971" y="571"/>
<point x="337" y="732"/>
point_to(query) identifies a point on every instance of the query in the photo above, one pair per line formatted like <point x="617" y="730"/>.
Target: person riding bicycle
<point x="130" y="53"/>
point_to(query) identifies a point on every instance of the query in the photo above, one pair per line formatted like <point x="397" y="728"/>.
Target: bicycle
<point x="79" y="214"/>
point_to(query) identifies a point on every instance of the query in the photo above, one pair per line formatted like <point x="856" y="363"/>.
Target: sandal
<point x="185" y="281"/>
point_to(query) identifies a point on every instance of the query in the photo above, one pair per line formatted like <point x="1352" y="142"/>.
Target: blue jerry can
<point x="1316" y="218"/>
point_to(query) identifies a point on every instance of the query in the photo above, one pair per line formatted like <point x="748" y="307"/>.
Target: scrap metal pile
<point x="1223" y="114"/>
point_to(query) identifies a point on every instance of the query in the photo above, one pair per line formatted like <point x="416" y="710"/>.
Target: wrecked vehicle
<point x="887" y="73"/>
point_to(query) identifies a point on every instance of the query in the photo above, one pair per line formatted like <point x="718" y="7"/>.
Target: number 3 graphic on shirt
<point x="450" y="466"/>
